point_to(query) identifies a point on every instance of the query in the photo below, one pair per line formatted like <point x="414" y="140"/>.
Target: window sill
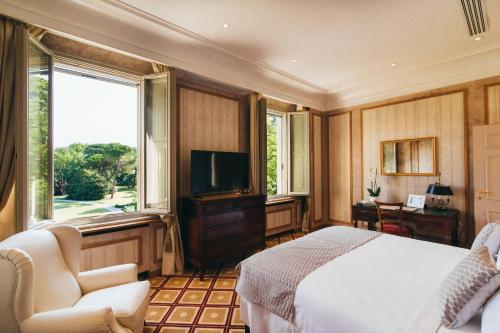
<point x="104" y="223"/>
<point x="279" y="199"/>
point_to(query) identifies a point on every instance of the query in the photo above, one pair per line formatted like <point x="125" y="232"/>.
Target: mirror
<point x="411" y="157"/>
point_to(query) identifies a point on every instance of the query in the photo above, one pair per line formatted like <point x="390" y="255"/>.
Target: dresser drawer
<point x="233" y="247"/>
<point x="232" y="231"/>
<point x="429" y="228"/>
<point x="233" y="216"/>
<point x="218" y="207"/>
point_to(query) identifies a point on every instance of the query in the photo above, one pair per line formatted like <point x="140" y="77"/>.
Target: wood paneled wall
<point x="208" y="122"/>
<point x="339" y="167"/>
<point x="442" y="117"/>
<point x="481" y="105"/>
<point x="142" y="246"/>
<point x="318" y="170"/>
<point x="493" y="104"/>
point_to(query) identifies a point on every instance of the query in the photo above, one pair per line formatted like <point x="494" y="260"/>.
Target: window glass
<point x="275" y="154"/>
<point x="95" y="141"/>
<point x="38" y="134"/>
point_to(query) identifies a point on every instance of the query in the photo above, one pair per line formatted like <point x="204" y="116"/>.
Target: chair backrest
<point x="389" y="212"/>
<point x="54" y="268"/>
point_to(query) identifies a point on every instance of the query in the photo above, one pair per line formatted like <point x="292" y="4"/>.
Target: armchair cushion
<point x="129" y="302"/>
<point x="107" y="277"/>
<point x="95" y="319"/>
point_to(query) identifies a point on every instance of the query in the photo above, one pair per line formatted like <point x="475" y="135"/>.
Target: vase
<point x="373" y="199"/>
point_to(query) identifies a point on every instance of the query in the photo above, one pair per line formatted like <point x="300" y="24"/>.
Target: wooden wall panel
<point x="131" y="246"/>
<point x="493" y="104"/>
<point x="283" y="216"/>
<point x="339" y="167"/>
<point x="441" y="116"/>
<point x="206" y="122"/>
<point x="317" y="181"/>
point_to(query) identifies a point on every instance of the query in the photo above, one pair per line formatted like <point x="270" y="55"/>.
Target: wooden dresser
<point x="219" y="228"/>
<point x="428" y="224"/>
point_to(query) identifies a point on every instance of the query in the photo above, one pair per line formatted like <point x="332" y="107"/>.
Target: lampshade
<point x="438" y="189"/>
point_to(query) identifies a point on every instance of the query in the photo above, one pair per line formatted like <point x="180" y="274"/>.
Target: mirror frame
<point x="434" y="158"/>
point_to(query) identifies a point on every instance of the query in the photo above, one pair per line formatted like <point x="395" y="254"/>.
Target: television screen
<point x="216" y="172"/>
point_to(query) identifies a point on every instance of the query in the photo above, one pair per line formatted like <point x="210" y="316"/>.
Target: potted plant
<point x="374" y="189"/>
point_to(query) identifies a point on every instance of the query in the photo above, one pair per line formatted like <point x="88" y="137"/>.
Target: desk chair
<point x="390" y="216"/>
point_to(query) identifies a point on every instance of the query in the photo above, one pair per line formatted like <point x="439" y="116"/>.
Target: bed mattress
<point x="388" y="285"/>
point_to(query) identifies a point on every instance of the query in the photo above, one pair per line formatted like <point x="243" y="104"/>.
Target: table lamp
<point x="438" y="190"/>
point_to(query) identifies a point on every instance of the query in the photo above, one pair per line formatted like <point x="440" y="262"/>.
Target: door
<point x="486" y="146"/>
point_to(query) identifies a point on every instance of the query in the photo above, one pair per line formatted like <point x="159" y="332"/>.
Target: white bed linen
<point x="386" y="285"/>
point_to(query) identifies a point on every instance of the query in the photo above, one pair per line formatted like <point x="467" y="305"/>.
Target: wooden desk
<point x="428" y="224"/>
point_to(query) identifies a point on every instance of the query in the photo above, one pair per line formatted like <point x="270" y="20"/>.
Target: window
<point x="98" y="140"/>
<point x="276" y="153"/>
<point x="95" y="145"/>
<point x="39" y="82"/>
<point x="287" y="153"/>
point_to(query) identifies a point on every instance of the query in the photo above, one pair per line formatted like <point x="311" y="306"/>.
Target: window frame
<point x="25" y="214"/>
<point x="142" y="141"/>
<point x="307" y="153"/>
<point x="284" y="150"/>
<point x="64" y="64"/>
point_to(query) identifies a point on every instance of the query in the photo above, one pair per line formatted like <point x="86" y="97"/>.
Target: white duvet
<point x="387" y="285"/>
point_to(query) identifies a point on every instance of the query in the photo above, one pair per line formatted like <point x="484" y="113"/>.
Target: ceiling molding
<point x="103" y="24"/>
<point x="415" y="69"/>
<point x="478" y="66"/>
<point x="115" y="25"/>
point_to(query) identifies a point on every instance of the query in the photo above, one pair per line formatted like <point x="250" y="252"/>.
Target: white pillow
<point x="498" y="259"/>
<point x="488" y="236"/>
<point x="490" y="317"/>
<point x="468" y="287"/>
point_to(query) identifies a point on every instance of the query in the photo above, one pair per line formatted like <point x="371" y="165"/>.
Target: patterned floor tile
<point x="225" y="283"/>
<point x="157" y="281"/>
<point x="227" y="272"/>
<point x="166" y="296"/>
<point x="155" y="314"/>
<point x="220" y="297"/>
<point x="235" y="318"/>
<point x="173" y="329"/>
<point x="201" y="284"/>
<point x="176" y="282"/>
<point x="214" y="316"/>
<point x="185" y="304"/>
<point x="183" y="315"/>
<point x="236" y="330"/>
<point x="208" y="330"/>
<point x="193" y="297"/>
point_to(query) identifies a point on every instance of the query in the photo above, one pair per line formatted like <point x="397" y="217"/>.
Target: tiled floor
<point x="184" y="304"/>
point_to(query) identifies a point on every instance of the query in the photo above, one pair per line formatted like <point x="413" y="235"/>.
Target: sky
<point x="88" y="110"/>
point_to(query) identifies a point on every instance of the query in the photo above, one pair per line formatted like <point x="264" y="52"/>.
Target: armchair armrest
<point x="107" y="277"/>
<point x="82" y="319"/>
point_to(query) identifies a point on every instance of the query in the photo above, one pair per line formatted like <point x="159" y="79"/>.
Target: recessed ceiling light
<point x="394" y="64"/>
<point x="293" y="60"/>
<point x="477" y="38"/>
<point x="226" y="25"/>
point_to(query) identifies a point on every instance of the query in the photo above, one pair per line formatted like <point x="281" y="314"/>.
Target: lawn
<point x="68" y="209"/>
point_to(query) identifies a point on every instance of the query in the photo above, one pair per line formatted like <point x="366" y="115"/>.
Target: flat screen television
<point x="218" y="172"/>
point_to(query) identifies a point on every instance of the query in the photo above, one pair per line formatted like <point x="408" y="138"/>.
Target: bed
<point x="386" y="284"/>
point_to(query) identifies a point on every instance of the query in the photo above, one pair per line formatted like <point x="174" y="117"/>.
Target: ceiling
<point x="326" y="53"/>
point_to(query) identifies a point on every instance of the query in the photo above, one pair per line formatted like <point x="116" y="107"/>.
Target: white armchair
<point x="42" y="289"/>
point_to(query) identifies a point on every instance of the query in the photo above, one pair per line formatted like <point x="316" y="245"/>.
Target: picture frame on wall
<point x="416" y="201"/>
